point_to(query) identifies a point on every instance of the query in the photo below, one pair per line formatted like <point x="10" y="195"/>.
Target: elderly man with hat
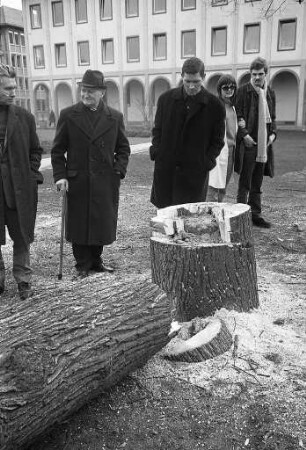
<point x="89" y="157"/>
<point x="20" y="156"/>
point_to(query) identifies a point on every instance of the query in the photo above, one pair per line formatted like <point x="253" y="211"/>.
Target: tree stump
<point x="67" y="345"/>
<point x="202" y="255"/>
<point x="199" y="340"/>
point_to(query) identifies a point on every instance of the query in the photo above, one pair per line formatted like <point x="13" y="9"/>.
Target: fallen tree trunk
<point x="202" y="255"/>
<point x="69" y="344"/>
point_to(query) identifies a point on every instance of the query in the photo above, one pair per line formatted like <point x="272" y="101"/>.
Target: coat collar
<point x="250" y="88"/>
<point x="178" y="94"/>
<point x="12" y="119"/>
<point x="104" y="122"/>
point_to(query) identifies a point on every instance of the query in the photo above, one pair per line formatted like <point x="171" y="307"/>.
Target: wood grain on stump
<point x="199" y="340"/>
<point x="202" y="255"/>
<point x="63" y="347"/>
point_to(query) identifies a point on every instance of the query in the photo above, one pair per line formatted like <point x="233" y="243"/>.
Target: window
<point x="13" y="59"/>
<point x="20" y="83"/>
<point x="18" y="60"/>
<point x="218" y="41"/>
<point x="133" y="50"/>
<point x="39" y="57"/>
<point x="131" y="8"/>
<point x="251" y="38"/>
<point x="35" y="16"/>
<point x="26" y="83"/>
<point x="106" y="10"/>
<point x="286" y="34"/>
<point x="60" y="55"/>
<point x="219" y="2"/>
<point x="83" y="53"/>
<point x="24" y="61"/>
<point x="81" y="11"/>
<point x="159" y="46"/>
<point x="159" y="6"/>
<point x="17" y="38"/>
<point x="11" y="37"/>
<point x="188" y="43"/>
<point x="22" y="39"/>
<point x="188" y="4"/>
<point x="107" y="51"/>
<point x="57" y="14"/>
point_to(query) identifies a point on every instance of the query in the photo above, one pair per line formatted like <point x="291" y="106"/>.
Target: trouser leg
<point x="21" y="263"/>
<point x="83" y="257"/>
<point x="21" y="251"/>
<point x="255" y="191"/>
<point x="96" y="253"/>
<point x="245" y="179"/>
<point x="2" y="269"/>
<point x="212" y="194"/>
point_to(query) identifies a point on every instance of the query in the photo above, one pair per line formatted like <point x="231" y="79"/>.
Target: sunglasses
<point x="231" y="87"/>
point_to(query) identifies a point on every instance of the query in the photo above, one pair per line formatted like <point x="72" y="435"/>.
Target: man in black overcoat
<point x="89" y="157"/>
<point x="20" y="156"/>
<point x="254" y="158"/>
<point x="188" y="135"/>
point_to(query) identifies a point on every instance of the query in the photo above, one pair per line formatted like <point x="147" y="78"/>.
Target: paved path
<point x="136" y="148"/>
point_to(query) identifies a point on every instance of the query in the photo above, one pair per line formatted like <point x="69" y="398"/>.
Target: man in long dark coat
<point x="89" y="157"/>
<point x="255" y="103"/>
<point x="188" y="135"/>
<point x="20" y="156"/>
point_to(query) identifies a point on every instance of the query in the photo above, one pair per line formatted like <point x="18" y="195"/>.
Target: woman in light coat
<point x="220" y="175"/>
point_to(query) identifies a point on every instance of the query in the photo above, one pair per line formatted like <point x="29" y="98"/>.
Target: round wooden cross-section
<point x="202" y="255"/>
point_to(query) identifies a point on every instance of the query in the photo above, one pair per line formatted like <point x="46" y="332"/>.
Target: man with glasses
<point x="255" y="103"/>
<point x="89" y="157"/>
<point x="188" y="135"/>
<point x="20" y="156"/>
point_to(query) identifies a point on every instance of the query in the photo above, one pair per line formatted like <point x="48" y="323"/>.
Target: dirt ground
<point x="252" y="399"/>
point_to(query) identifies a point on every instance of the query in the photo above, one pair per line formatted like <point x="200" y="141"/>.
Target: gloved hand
<point x="62" y="185"/>
<point x="249" y="141"/>
<point x="271" y="139"/>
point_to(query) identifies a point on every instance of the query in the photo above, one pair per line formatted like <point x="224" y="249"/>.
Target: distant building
<point x="13" y="51"/>
<point x="140" y="45"/>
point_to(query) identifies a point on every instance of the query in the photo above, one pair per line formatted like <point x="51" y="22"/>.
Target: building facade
<point x="13" y="51"/>
<point x="140" y="46"/>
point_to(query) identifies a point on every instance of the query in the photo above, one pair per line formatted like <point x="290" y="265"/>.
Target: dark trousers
<point x="87" y="256"/>
<point x="250" y="181"/>
<point x="21" y="251"/>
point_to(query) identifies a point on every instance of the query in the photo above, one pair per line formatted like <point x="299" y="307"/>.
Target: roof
<point x="11" y="17"/>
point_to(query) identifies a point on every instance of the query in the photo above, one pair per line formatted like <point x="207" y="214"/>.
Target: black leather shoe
<point x="24" y="290"/>
<point x="101" y="267"/>
<point x="260" y="222"/>
<point x="82" y="273"/>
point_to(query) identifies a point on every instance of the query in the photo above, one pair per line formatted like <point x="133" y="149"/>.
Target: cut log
<point x="199" y="340"/>
<point x="202" y="255"/>
<point x="69" y="344"/>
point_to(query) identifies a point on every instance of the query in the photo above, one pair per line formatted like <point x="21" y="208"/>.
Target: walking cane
<point x="63" y="226"/>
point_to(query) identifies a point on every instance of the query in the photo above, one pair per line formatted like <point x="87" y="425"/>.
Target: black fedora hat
<point x="93" y="79"/>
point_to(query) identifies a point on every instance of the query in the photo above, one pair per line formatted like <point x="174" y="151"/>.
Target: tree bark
<point x="69" y="344"/>
<point x="202" y="276"/>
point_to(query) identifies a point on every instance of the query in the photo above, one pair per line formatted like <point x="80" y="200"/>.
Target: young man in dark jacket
<point x="255" y="103"/>
<point x="20" y="156"/>
<point x="188" y="135"/>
